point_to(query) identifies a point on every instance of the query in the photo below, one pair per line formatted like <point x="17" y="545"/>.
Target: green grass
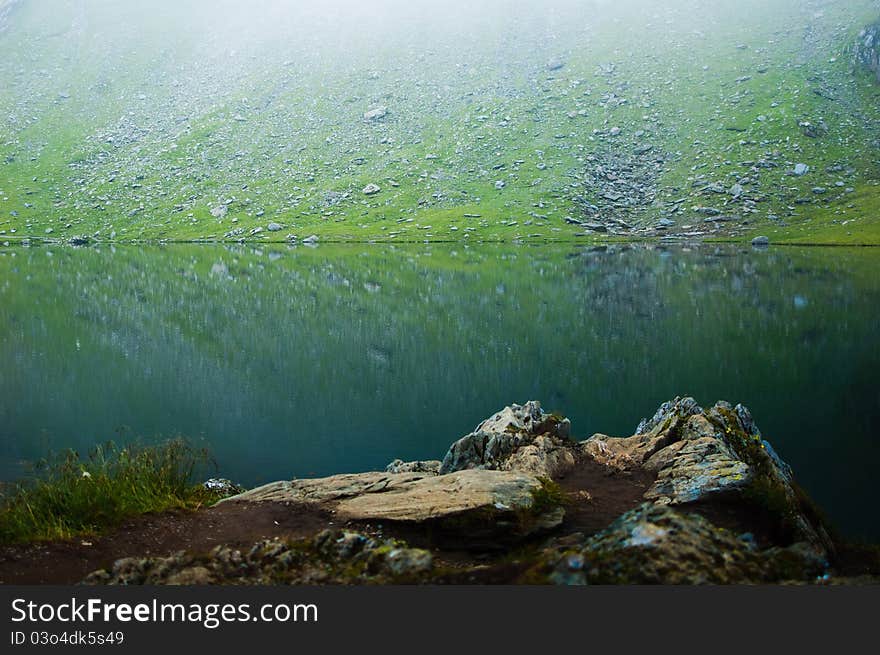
<point x="853" y="220"/>
<point x="73" y="496"/>
<point x="486" y="108"/>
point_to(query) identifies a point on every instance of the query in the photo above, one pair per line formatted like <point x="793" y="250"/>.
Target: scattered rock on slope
<point x="867" y="50"/>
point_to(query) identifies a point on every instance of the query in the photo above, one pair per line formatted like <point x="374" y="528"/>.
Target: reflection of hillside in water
<point x="301" y="361"/>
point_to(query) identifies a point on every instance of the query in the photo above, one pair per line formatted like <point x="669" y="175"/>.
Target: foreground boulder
<point x="659" y="545"/>
<point x="714" y="455"/>
<point x="478" y="502"/>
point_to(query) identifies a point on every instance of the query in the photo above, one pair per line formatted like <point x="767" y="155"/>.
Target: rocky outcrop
<point x="659" y="545"/>
<point x="331" y="557"/>
<point x="490" y="479"/>
<point x="867" y="49"/>
<point x="499" y="503"/>
<point x="518" y="438"/>
<point x="701" y="456"/>
<point x="720" y="507"/>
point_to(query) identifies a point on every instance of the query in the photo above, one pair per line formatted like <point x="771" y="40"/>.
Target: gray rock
<point x="222" y="486"/>
<point x="659" y="545"/>
<point x="698" y="455"/>
<point x="867" y="49"/>
<point x="679" y="406"/>
<point x="371" y="189"/>
<point x="801" y="169"/>
<point x="376" y="114"/>
<point x="760" y="242"/>
<point x="518" y="438"/>
<point x="408" y="561"/>
<point x="462" y="500"/>
<point x="399" y="466"/>
<point x="331" y="556"/>
<point x="275" y="227"/>
<point x="813" y="130"/>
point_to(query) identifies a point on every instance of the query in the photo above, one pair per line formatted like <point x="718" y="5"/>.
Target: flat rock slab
<point x="437" y="496"/>
<point x="333" y="488"/>
<point x="497" y="497"/>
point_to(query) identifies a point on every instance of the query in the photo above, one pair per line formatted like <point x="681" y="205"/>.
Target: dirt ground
<point x="595" y="499"/>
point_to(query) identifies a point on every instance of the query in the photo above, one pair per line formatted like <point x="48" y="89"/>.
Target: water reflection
<point x="297" y="361"/>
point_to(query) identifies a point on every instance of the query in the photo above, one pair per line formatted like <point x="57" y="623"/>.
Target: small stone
<point x="376" y="114"/>
<point x="409" y="561"/>
<point x="222" y="486"/>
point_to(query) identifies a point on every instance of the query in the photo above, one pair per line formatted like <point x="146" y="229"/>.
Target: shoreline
<point x="666" y="241"/>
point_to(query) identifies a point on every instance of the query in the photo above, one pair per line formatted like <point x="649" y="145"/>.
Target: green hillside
<point x="223" y="120"/>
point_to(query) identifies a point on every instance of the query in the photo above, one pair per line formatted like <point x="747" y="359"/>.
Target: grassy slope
<point x="134" y="126"/>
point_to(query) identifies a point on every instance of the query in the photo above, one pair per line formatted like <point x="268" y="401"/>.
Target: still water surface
<point x="311" y="361"/>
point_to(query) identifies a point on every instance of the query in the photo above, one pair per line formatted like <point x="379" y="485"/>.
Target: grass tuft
<point x="73" y="496"/>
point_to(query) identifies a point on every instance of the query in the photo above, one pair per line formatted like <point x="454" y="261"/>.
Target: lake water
<point x="291" y="362"/>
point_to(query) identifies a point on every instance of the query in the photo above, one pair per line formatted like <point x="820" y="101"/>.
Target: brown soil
<point x="595" y="498"/>
<point x="240" y="524"/>
<point x="598" y="495"/>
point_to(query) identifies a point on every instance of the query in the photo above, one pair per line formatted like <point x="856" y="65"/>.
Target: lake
<point x="296" y="361"/>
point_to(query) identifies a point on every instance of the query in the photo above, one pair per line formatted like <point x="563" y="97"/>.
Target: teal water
<point x="311" y="361"/>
